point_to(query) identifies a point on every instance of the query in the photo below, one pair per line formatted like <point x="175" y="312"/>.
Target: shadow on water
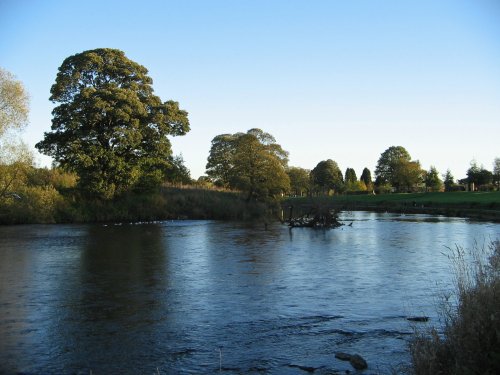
<point x="179" y="296"/>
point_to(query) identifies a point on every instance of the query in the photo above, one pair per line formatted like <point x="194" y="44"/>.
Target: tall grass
<point x="470" y="341"/>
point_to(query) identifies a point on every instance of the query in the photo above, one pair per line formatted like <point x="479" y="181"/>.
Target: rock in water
<point x="358" y="362"/>
<point x="343" y="356"/>
<point x="418" y="318"/>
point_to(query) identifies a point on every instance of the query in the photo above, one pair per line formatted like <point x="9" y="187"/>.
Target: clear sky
<point x="343" y="80"/>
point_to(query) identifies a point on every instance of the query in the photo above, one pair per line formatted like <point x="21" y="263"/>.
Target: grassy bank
<point x="479" y="205"/>
<point x="164" y="204"/>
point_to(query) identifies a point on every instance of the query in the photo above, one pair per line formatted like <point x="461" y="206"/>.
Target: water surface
<point x="191" y="296"/>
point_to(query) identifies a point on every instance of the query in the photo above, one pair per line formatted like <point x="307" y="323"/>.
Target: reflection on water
<point x="167" y="297"/>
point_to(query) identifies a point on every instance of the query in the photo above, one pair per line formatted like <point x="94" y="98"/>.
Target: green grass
<point x="483" y="199"/>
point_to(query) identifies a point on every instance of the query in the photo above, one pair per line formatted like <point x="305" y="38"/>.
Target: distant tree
<point x="407" y="175"/>
<point x="221" y="159"/>
<point x="432" y="180"/>
<point x="449" y="181"/>
<point x="366" y="178"/>
<point x="350" y="175"/>
<point x="327" y="176"/>
<point x="395" y="168"/>
<point x="178" y="173"/>
<point x="108" y="126"/>
<point x="351" y="182"/>
<point x="479" y="176"/>
<point x="251" y="162"/>
<point x="388" y="162"/>
<point x="496" y="172"/>
<point x="204" y="182"/>
<point x="299" y="180"/>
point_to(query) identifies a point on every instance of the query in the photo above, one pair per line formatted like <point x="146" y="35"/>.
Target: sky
<point x="341" y="80"/>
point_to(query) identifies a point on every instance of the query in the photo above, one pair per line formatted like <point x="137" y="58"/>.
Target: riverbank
<point x="168" y="203"/>
<point x="196" y="203"/>
<point x="474" y="205"/>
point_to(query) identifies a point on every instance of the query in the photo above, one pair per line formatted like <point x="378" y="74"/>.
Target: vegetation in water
<point x="470" y="341"/>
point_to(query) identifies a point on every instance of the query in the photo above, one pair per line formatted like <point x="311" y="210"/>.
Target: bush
<point x="33" y="205"/>
<point x="470" y="343"/>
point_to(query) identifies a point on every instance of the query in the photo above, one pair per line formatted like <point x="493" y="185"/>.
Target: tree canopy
<point x="327" y="176"/>
<point x="14" y="103"/>
<point x="388" y="162"/>
<point x="432" y="180"/>
<point x="251" y="162"/>
<point x="300" y="182"/>
<point x="350" y="175"/>
<point x="366" y="178"/>
<point x="396" y="168"/>
<point x="15" y="157"/>
<point x="108" y="126"/>
<point x="478" y="175"/>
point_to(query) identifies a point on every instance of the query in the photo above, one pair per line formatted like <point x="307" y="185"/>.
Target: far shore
<point x="474" y="205"/>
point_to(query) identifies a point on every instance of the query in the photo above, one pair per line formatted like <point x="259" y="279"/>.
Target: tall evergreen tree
<point x="366" y="178"/>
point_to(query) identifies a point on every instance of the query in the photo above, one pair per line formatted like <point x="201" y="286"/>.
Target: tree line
<point x="255" y="163"/>
<point x="110" y="137"/>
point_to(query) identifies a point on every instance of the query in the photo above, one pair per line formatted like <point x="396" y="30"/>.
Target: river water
<point x="204" y="296"/>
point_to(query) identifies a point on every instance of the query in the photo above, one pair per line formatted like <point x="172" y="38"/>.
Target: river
<point x="204" y="296"/>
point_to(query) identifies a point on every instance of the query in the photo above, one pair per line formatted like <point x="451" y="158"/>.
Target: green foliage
<point x="109" y="127"/>
<point x="478" y="175"/>
<point x="350" y="175"/>
<point x="388" y="161"/>
<point x="251" y="162"/>
<point x="432" y="180"/>
<point x="496" y="172"/>
<point x="449" y="181"/>
<point x="354" y="186"/>
<point x="396" y="169"/>
<point x="366" y="178"/>
<point x="220" y="161"/>
<point x="166" y="204"/>
<point x="14" y="103"/>
<point x="300" y="182"/>
<point x="178" y="173"/>
<point x="327" y="176"/>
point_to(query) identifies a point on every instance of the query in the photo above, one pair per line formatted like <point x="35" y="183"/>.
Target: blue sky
<point x="343" y="80"/>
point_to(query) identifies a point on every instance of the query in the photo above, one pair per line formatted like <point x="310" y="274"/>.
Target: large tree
<point x="395" y="167"/>
<point x="221" y="159"/>
<point x="251" y="162"/>
<point x="15" y="157"/>
<point x="327" y="176"/>
<point x="108" y="126"/>
<point x="388" y="161"/>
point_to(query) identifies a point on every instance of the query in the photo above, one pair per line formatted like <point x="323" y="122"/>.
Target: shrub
<point x="470" y="343"/>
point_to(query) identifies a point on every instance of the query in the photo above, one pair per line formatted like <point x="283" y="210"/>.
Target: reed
<point x="470" y="340"/>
